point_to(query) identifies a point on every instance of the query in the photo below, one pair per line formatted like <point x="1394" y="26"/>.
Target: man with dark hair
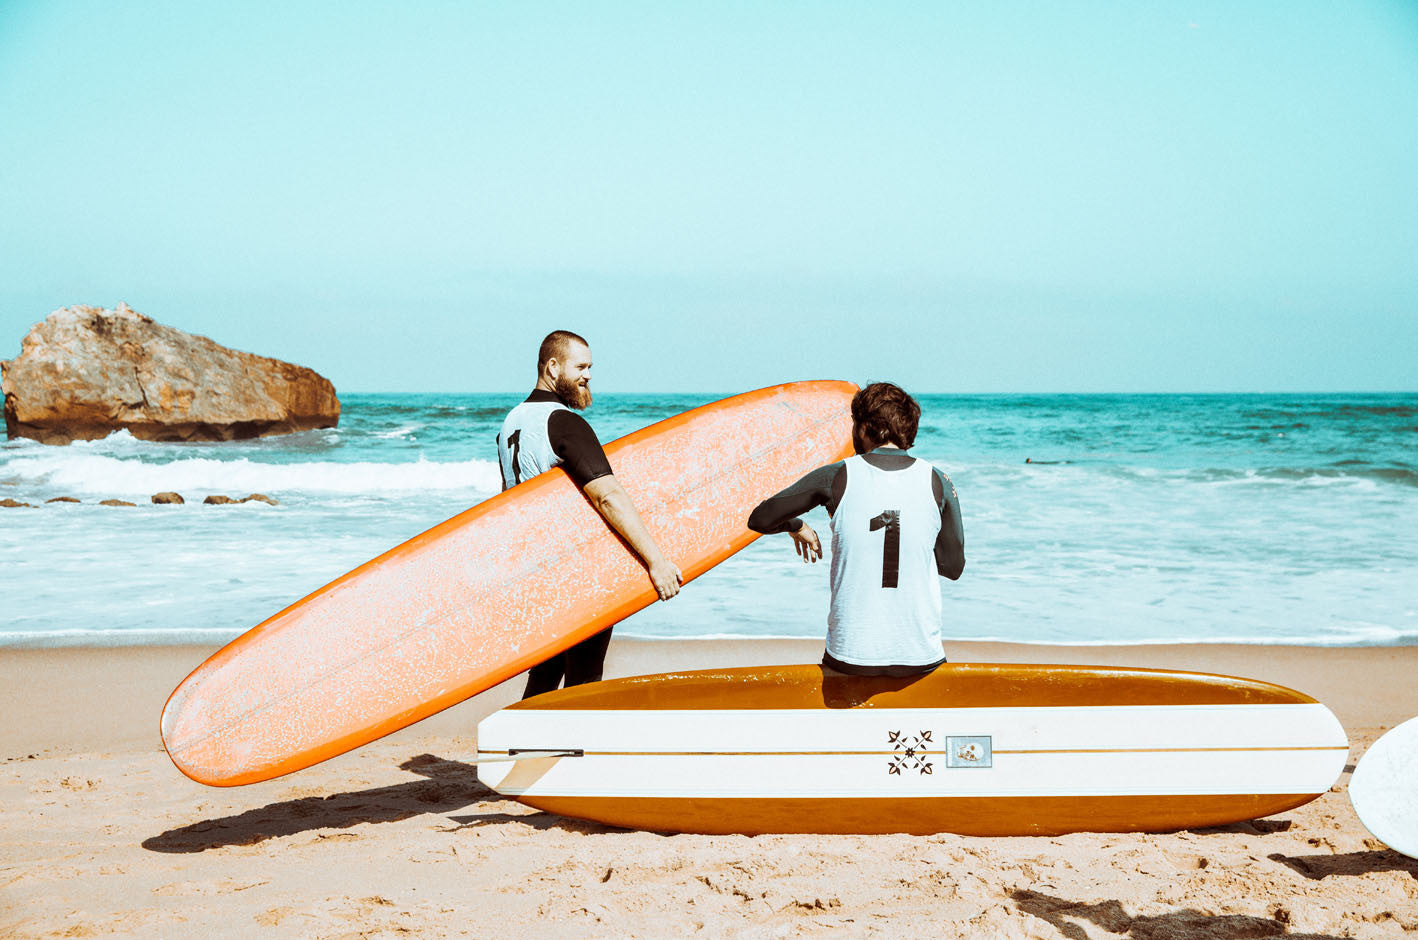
<point x="544" y="432"/>
<point x="895" y="526"/>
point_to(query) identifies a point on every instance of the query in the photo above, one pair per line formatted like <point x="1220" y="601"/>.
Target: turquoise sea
<point x="1088" y="518"/>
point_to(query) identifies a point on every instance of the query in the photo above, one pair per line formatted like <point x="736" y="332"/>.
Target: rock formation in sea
<point x="217" y="499"/>
<point x="84" y="372"/>
<point x="168" y="499"/>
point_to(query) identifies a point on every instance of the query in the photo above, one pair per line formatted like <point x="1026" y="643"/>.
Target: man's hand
<point x="666" y="577"/>
<point x="806" y="543"/>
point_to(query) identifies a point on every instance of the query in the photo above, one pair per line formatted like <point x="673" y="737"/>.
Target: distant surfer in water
<point x="544" y="432"/>
<point x="895" y="526"/>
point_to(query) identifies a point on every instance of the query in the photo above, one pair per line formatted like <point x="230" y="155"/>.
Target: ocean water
<point x="1089" y="519"/>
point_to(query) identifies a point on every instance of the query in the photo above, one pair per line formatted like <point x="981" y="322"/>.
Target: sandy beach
<point x="102" y="837"/>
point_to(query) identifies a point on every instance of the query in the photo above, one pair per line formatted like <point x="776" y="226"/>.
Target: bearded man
<point x="545" y="431"/>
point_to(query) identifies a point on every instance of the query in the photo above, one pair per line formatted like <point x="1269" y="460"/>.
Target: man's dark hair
<point x="554" y="346"/>
<point x="886" y="414"/>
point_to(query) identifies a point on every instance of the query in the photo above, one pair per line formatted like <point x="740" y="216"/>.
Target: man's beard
<point x="572" y="394"/>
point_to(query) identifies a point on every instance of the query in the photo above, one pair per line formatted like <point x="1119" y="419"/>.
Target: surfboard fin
<point x="516" y="753"/>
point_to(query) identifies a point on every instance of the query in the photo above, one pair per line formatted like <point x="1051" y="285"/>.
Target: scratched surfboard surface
<point x="971" y="748"/>
<point x="492" y="591"/>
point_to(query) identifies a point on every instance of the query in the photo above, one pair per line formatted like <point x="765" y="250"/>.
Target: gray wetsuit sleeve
<point x="950" y="543"/>
<point x="781" y="511"/>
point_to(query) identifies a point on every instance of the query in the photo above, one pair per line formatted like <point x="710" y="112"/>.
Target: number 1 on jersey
<point x="514" y="440"/>
<point x="890" y="520"/>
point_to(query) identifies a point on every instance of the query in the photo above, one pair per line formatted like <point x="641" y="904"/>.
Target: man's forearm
<point x="782" y="511"/>
<point x="616" y="507"/>
<point x="775" y="514"/>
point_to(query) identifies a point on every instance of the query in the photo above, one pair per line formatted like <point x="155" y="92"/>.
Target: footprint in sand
<point x="334" y="837"/>
<point x="274" y="916"/>
<point x="204" y="888"/>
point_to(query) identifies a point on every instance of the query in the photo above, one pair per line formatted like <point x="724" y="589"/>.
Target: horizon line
<point x="962" y="394"/>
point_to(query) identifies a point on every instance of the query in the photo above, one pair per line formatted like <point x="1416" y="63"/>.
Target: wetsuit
<point x="537" y="435"/>
<point x="895" y="526"/>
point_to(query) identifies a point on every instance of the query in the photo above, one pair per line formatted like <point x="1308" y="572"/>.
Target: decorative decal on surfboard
<point x="911" y="752"/>
<point x="969" y="751"/>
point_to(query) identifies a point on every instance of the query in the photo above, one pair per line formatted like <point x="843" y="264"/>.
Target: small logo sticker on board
<point x="969" y="751"/>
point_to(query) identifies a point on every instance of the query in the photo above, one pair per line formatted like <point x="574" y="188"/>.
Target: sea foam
<point x="82" y="473"/>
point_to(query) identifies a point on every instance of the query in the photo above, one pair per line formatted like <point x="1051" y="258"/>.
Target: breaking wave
<point x="74" y="471"/>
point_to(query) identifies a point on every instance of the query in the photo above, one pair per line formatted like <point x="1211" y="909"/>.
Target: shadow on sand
<point x="1248" y="827"/>
<point x="542" y="821"/>
<point x="1317" y="867"/>
<point x="449" y="785"/>
<point x="1110" y="916"/>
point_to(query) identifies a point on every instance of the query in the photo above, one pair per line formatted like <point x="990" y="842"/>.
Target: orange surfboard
<point x="491" y="592"/>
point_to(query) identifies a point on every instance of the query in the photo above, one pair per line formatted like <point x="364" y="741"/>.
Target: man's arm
<point x="615" y="506"/>
<point x="585" y="461"/>
<point x="950" y="543"/>
<point x="781" y="512"/>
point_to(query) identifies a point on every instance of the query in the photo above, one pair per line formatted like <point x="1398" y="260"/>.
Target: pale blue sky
<point x="1141" y="196"/>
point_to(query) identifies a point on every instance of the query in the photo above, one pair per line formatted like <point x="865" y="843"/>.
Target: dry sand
<point x="102" y="837"/>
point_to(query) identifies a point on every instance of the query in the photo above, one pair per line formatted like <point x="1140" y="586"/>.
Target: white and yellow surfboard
<point x="978" y="749"/>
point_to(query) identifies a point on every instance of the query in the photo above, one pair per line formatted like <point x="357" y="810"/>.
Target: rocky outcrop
<point x="85" y="372"/>
<point x="168" y="499"/>
<point x="217" y="499"/>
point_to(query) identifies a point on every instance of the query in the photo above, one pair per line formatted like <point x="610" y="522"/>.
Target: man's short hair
<point x="886" y="414"/>
<point x="554" y="346"/>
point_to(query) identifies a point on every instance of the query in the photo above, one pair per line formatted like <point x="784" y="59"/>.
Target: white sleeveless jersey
<point x="885" y="596"/>
<point x="523" y="445"/>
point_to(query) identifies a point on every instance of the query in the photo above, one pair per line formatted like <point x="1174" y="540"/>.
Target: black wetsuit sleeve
<point x="573" y="440"/>
<point x="780" y="512"/>
<point x="950" y="543"/>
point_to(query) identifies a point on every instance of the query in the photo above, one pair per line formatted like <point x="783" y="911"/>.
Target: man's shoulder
<point x="572" y="436"/>
<point x="941" y="483"/>
<point x="565" y="418"/>
<point x="575" y="442"/>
